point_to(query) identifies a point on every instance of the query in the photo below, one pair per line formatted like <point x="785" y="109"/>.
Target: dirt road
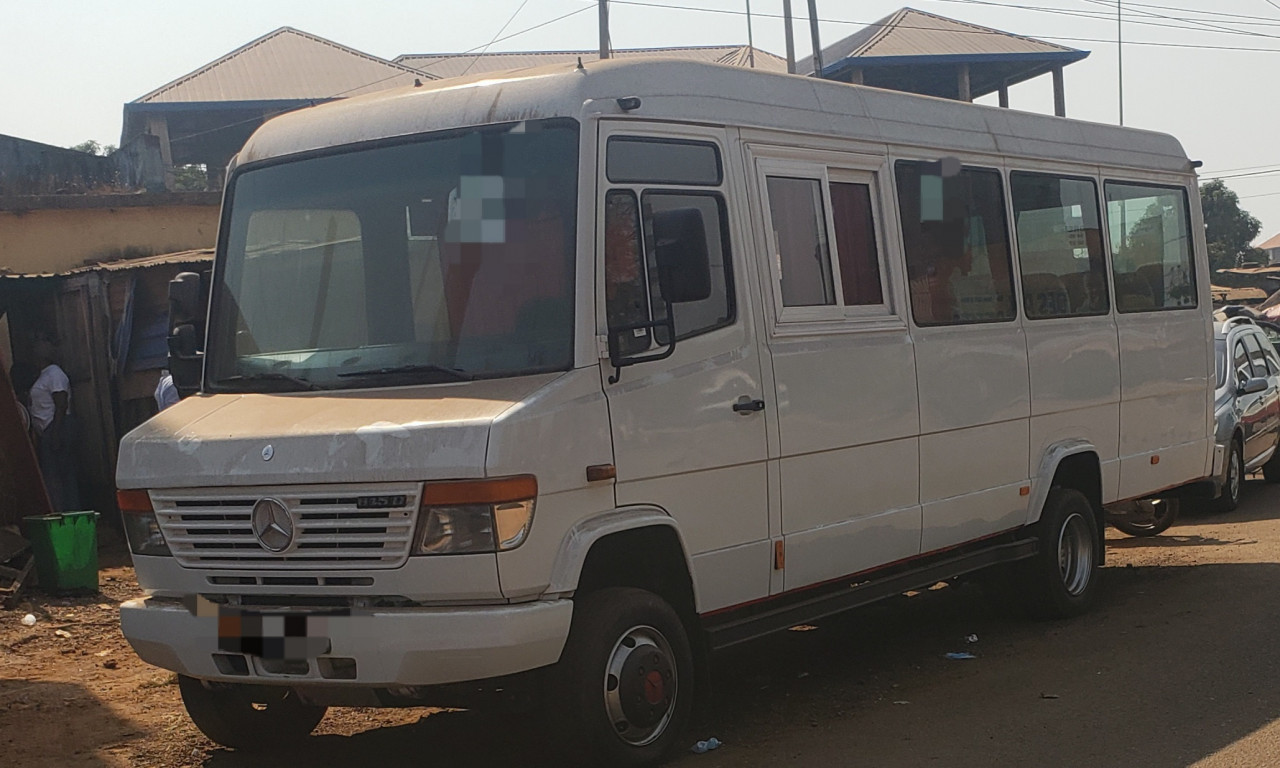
<point x="1179" y="665"/>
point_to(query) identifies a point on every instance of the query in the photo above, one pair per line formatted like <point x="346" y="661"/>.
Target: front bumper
<point x="401" y="647"/>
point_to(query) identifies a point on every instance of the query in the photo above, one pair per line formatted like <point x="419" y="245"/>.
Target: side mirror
<point x="680" y="248"/>
<point x="184" y="299"/>
<point x="1252" y="386"/>
<point x="186" y="362"/>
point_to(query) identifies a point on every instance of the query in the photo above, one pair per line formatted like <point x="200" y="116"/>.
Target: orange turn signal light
<point x="497" y="490"/>
<point x="134" y="501"/>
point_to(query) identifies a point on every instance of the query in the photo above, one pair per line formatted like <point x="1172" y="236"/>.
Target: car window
<point x="1256" y="357"/>
<point x="1269" y="350"/>
<point x="1240" y="362"/>
<point x="1220" y="358"/>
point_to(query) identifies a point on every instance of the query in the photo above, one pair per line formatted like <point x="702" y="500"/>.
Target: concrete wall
<point x="56" y="233"/>
<point x="32" y="168"/>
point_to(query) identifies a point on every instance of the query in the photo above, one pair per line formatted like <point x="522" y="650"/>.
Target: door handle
<point x="747" y="405"/>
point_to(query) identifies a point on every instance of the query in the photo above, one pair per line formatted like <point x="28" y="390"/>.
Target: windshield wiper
<point x="283" y="378"/>
<point x="451" y="374"/>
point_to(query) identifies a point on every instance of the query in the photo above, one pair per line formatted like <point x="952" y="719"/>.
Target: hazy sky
<point x="1191" y="68"/>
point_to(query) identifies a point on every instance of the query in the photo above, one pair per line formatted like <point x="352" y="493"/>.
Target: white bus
<point x="564" y="378"/>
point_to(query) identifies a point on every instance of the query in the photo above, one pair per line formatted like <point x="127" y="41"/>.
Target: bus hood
<point x="401" y="434"/>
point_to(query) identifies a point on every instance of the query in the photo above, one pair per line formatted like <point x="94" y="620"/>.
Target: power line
<point x="1242" y="175"/>
<point x="483" y="50"/>
<point x="1107" y="16"/>
<point x="1207" y="26"/>
<point x="1248" y="168"/>
<point x="1193" y="46"/>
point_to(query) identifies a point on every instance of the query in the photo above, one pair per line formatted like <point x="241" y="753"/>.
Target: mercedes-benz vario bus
<point x="564" y="378"/>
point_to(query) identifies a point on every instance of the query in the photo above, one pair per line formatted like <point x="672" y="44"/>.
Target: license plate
<point x="268" y="634"/>
<point x="273" y="635"/>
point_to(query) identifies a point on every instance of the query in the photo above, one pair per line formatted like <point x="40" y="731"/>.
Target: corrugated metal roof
<point x="908" y="32"/>
<point x="456" y="64"/>
<point x="282" y="65"/>
<point x="198" y="256"/>
<point x="1272" y="243"/>
<point x="1233" y="295"/>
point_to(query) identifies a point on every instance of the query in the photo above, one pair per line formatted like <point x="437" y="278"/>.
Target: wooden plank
<point x="20" y="482"/>
<point x="14" y="590"/>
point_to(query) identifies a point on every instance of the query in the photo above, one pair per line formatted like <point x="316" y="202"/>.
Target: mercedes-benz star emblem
<point x="272" y="525"/>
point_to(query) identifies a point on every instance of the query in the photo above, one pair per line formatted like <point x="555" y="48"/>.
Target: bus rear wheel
<point x="1062" y="579"/>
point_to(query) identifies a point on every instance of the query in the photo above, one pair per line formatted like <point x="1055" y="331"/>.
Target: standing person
<point x="55" y="430"/>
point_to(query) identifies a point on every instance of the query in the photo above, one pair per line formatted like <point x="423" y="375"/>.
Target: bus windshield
<point x="440" y="258"/>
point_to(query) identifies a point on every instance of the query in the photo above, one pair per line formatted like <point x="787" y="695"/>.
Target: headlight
<point x="475" y="515"/>
<point x="140" y="525"/>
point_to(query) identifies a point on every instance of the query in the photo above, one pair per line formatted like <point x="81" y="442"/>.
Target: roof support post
<point x="158" y="126"/>
<point x="791" y="38"/>
<point x="1004" y="95"/>
<point x="962" y="84"/>
<point x="855" y="76"/>
<point x="1059" y="93"/>
<point x="604" y="29"/>
<point x="817" y="44"/>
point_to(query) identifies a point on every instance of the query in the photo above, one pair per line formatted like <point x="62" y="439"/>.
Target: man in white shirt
<point x="54" y="427"/>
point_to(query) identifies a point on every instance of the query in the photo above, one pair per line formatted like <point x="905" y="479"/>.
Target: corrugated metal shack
<point x="111" y="322"/>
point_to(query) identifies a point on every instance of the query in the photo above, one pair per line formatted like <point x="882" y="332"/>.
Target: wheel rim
<point x="1075" y="554"/>
<point x="640" y="685"/>
<point x="1234" y="476"/>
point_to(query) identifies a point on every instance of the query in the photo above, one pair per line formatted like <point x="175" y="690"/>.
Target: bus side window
<point x="800" y="241"/>
<point x="626" y="300"/>
<point x="633" y="294"/>
<point x="1150" y="247"/>
<point x="1056" y="221"/>
<point x="957" y="246"/>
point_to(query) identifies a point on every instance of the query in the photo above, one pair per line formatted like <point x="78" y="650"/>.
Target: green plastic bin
<point x="66" y="550"/>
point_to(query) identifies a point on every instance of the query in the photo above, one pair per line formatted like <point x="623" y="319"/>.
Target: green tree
<point x="1228" y="228"/>
<point x="94" y="148"/>
<point x="190" y="178"/>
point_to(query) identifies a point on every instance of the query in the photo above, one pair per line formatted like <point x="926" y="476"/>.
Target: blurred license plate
<point x="273" y="635"/>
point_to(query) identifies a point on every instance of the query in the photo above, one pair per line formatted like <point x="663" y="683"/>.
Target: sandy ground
<point x="1179" y="665"/>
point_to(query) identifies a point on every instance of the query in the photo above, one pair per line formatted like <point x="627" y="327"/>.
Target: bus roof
<point x="719" y="95"/>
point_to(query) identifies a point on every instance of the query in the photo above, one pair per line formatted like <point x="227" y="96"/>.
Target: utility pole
<point x="604" y="29"/>
<point x="817" y="44"/>
<point x="1120" y="58"/>
<point x="751" y="44"/>
<point x="791" y="40"/>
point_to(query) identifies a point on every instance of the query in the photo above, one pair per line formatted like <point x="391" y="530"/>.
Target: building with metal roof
<point x="458" y="64"/>
<point x="1271" y="247"/>
<point x="205" y="116"/>
<point x="918" y="52"/>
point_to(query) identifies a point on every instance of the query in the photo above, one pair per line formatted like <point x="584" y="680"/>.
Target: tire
<point x="1271" y="470"/>
<point x="623" y="690"/>
<point x="1062" y="579"/>
<point x="248" y="717"/>
<point x="1163" y="513"/>
<point x="1229" y="499"/>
